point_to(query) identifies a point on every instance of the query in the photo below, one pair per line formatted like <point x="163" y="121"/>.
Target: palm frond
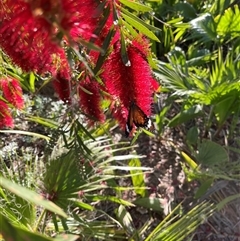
<point x="228" y="27"/>
<point x="204" y="28"/>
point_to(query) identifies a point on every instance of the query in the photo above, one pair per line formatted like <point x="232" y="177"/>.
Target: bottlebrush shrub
<point x="30" y="33"/>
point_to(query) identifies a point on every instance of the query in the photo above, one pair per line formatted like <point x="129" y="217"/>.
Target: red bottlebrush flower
<point x="5" y="115"/>
<point x="90" y="103"/>
<point x="130" y="83"/>
<point x="80" y="18"/>
<point x="155" y="86"/>
<point x="120" y="113"/>
<point x="62" y="85"/>
<point x="12" y="92"/>
<point x="27" y="38"/>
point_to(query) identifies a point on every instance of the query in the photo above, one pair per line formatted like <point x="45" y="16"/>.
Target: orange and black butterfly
<point x="137" y="117"/>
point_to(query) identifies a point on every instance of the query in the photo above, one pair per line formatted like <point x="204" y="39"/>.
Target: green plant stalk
<point x="39" y="220"/>
<point x="208" y="122"/>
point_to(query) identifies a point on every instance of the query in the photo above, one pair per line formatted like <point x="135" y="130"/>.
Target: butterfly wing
<point x="137" y="117"/>
<point x="140" y="119"/>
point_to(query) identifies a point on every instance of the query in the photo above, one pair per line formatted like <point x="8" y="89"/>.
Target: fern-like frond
<point x="228" y="24"/>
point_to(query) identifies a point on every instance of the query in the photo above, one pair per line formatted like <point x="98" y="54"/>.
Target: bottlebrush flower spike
<point x="28" y="39"/>
<point x="12" y="92"/>
<point x="80" y="18"/>
<point x="90" y="103"/>
<point x="130" y="83"/>
<point x="62" y="85"/>
<point x="5" y="115"/>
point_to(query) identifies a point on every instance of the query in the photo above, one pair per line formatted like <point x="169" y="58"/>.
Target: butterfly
<point x="137" y="117"/>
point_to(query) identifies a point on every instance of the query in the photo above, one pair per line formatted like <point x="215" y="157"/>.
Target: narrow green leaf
<point x="136" y="6"/>
<point x="189" y="161"/>
<point x="137" y="177"/>
<point x="144" y="30"/>
<point x="28" y="133"/>
<point x="32" y="82"/>
<point x="83" y="205"/>
<point x="31" y="196"/>
<point x="105" y="46"/>
<point x="115" y="15"/>
<point x="157" y="204"/>
<point x="149" y="133"/>
<point x="124" y="53"/>
<point x="227" y="200"/>
<point x="148" y="26"/>
<point x="136" y="135"/>
<point x="43" y="121"/>
<point x="132" y="31"/>
<point x="91" y="46"/>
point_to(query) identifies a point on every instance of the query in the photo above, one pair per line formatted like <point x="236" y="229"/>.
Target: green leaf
<point x="186" y="115"/>
<point x="226" y="106"/>
<point x="192" y="135"/>
<point x="205" y="185"/>
<point x="134" y="17"/>
<point x="125" y="218"/>
<point x="124" y="53"/>
<point x="132" y="31"/>
<point x="43" y="121"/>
<point x="189" y="161"/>
<point x="137" y="24"/>
<point x="204" y="28"/>
<point x="137" y="177"/>
<point x="211" y="153"/>
<point x="170" y="229"/>
<point x="83" y="205"/>
<point x="136" y="6"/>
<point x="228" y="26"/>
<point x="9" y="232"/>
<point x="227" y="200"/>
<point x="105" y="46"/>
<point x="31" y="196"/>
<point x="32" y="82"/>
<point x="157" y="204"/>
<point x="28" y="133"/>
